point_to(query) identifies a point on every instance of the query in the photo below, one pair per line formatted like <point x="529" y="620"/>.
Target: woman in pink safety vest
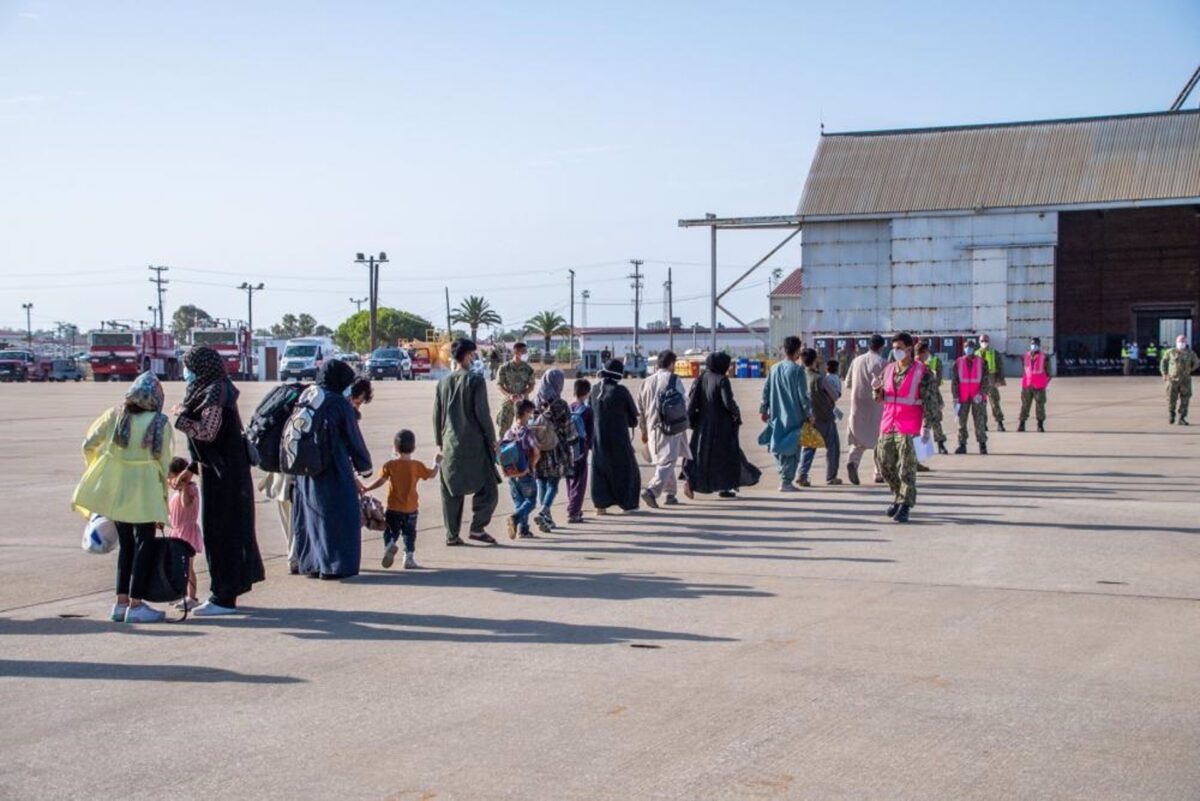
<point x="907" y="390"/>
<point x="1033" y="385"/>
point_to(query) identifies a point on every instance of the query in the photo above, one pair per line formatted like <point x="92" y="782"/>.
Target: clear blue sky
<point x="489" y="146"/>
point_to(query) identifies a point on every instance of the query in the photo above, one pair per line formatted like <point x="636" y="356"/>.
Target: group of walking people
<point x="538" y="440"/>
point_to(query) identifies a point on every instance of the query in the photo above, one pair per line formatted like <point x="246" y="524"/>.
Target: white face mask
<point x="1035" y="347"/>
<point x="983" y="345"/>
<point x="1180" y="346"/>
<point x="346" y="392"/>
<point x="899" y="354"/>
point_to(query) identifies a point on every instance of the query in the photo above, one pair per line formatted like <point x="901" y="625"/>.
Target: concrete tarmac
<point x="1033" y="633"/>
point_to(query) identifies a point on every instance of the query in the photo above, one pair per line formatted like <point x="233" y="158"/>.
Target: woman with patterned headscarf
<point x="717" y="463"/>
<point x="558" y="462"/>
<point x="209" y="417"/>
<point x="127" y="451"/>
<point x="326" y="517"/>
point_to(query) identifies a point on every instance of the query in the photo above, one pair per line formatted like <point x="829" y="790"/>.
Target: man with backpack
<point x="663" y="420"/>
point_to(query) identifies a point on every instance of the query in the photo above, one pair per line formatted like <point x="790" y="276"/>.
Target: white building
<point x="1081" y="232"/>
<point x="618" y="340"/>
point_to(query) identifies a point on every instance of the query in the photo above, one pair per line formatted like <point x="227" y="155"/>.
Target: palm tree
<point x="547" y="324"/>
<point x="473" y="312"/>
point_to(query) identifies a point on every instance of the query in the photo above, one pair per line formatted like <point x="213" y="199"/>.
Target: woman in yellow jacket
<point x="127" y="452"/>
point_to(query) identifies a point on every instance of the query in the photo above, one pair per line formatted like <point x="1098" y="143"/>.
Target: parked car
<point x="21" y="365"/>
<point x="390" y="363"/>
<point x="65" y="370"/>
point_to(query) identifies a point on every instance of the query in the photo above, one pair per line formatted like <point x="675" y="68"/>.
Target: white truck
<point x="304" y="356"/>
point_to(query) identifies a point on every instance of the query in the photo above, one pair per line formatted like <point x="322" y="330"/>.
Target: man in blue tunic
<point x="784" y="408"/>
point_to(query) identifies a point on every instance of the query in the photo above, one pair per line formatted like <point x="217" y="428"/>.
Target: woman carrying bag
<point x="127" y="452"/>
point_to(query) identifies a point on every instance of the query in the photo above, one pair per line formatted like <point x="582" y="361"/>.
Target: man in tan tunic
<point x="866" y="413"/>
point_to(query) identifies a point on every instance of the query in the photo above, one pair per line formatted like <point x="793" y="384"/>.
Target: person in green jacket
<point x="994" y="365"/>
<point x="463" y="430"/>
<point x="1177" y="367"/>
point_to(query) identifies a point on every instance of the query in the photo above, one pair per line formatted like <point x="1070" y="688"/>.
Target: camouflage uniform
<point x="1176" y="368"/>
<point x="935" y="366"/>
<point x="994" y="367"/>
<point x="972" y="410"/>
<point x="895" y="455"/>
<point x="513" y="378"/>
<point x="843" y="357"/>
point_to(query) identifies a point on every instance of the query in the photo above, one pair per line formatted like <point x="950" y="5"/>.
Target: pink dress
<point x="184" y="525"/>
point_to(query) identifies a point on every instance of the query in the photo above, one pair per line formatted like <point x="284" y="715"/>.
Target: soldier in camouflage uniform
<point x="895" y="454"/>
<point x="975" y="406"/>
<point x="515" y="380"/>
<point x="1177" y="367"/>
<point x="994" y="368"/>
<point x="935" y="366"/>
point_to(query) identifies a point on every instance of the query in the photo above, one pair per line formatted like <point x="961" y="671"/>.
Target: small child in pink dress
<point x="185" y="514"/>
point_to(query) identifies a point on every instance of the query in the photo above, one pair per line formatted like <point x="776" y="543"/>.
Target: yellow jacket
<point x="126" y="485"/>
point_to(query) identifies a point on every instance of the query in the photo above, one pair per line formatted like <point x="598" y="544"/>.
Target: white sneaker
<point x="117" y="615"/>
<point x="788" y="487"/>
<point x="389" y="555"/>
<point x="144" y="613"/>
<point x="187" y="604"/>
<point x="209" y="609"/>
<point x="409" y="562"/>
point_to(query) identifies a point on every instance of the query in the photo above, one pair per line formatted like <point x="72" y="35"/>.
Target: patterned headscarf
<point x="549" y="388"/>
<point x="211" y="386"/>
<point x="146" y="394"/>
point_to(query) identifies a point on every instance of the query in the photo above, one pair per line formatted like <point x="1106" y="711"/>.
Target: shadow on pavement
<point x="58" y="626"/>
<point x="326" y="624"/>
<point x="603" y="586"/>
<point x="110" y="671"/>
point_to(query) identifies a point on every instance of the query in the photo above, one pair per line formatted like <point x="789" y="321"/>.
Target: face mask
<point x="347" y="391"/>
<point x="1035" y="348"/>
<point x="188" y="375"/>
<point x="899" y="354"/>
<point x="983" y="345"/>
<point x="969" y="351"/>
<point x="1180" y="346"/>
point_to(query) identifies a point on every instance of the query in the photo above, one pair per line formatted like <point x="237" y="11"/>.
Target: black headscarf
<point x="613" y="371"/>
<point x="334" y="376"/>
<point x="211" y="386"/>
<point x="718" y="363"/>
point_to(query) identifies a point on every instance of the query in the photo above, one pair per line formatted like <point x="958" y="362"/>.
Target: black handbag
<point x="168" y="571"/>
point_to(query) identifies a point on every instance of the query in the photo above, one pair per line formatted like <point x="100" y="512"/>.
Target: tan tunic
<point x="866" y="413"/>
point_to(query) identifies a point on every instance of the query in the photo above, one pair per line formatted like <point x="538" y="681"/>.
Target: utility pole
<point x="153" y="312"/>
<point x="449" y="331"/>
<point x="637" y="302"/>
<point x="358" y="302"/>
<point x="372" y="263"/>
<point x="249" y="289"/>
<point x="587" y="293"/>
<point x="572" y="338"/>
<point x="161" y="282"/>
<point x="28" y="307"/>
<point x="670" y="311"/>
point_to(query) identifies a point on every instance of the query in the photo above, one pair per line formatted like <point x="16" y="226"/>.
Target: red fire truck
<point x="122" y="355"/>
<point x="233" y="343"/>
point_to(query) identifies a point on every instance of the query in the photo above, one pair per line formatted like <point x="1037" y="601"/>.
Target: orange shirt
<point x="402" y="476"/>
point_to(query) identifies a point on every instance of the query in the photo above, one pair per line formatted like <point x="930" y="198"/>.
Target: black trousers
<point x="134" y="558"/>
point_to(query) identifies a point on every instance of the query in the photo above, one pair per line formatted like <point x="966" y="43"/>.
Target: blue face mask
<point x="189" y="376"/>
<point x="347" y="391"/>
<point x="969" y="351"/>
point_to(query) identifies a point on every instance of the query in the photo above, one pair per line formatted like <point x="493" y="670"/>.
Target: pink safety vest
<point x="969" y="384"/>
<point x="902" y="410"/>
<point x="1035" y="376"/>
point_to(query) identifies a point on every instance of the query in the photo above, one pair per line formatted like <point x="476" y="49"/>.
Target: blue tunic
<point x="325" y="511"/>
<point x="785" y="399"/>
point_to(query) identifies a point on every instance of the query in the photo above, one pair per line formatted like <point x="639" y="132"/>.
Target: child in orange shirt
<point x="401" y="475"/>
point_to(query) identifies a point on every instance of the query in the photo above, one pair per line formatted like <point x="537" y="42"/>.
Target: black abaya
<point x="616" y="480"/>
<point x="717" y="463"/>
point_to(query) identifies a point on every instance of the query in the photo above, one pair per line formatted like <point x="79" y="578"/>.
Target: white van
<point x="303" y="357"/>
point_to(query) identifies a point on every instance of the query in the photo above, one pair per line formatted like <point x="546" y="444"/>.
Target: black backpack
<point x="672" y="409"/>
<point x="265" y="431"/>
<point x="306" y="443"/>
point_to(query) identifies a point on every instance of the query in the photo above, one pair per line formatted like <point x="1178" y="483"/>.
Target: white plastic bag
<point x="924" y="446"/>
<point x="99" y="535"/>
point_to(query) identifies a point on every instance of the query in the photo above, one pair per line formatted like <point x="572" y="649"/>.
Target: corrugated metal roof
<point x="790" y="286"/>
<point x="1052" y="163"/>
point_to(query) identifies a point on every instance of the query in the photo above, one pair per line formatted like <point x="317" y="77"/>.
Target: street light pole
<point x="358" y="302"/>
<point x="571" y="345"/>
<point x="28" y="307"/>
<point x="372" y="263"/>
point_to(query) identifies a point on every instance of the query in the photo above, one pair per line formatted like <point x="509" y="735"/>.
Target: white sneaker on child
<point x="144" y="613"/>
<point x="409" y="562"/>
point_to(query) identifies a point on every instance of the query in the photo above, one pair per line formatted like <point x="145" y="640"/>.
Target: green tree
<point x="473" y="312"/>
<point x="392" y="325"/>
<point x="291" y="326"/>
<point x="186" y="318"/>
<point x="546" y="323"/>
<point x="322" y="331"/>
